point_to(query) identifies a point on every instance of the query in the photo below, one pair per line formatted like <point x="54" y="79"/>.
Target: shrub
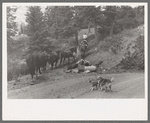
<point x="134" y="60"/>
<point x="109" y="43"/>
<point x="91" y="37"/>
<point x="15" y="68"/>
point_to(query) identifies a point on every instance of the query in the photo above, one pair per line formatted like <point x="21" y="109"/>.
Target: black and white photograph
<point x="67" y="53"/>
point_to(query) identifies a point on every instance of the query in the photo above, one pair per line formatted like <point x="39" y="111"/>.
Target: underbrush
<point x="125" y="51"/>
<point x="118" y="42"/>
<point x="17" y="47"/>
<point x="16" y="68"/>
<point x="134" y="58"/>
<point x="110" y="44"/>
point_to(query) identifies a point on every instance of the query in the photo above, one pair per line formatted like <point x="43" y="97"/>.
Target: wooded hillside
<point x="109" y="29"/>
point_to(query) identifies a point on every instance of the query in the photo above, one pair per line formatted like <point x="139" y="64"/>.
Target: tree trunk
<point x="111" y="29"/>
<point x="95" y="31"/>
<point x="89" y="28"/>
<point x="76" y="36"/>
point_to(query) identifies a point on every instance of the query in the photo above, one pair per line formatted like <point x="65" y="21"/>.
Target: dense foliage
<point x="135" y="59"/>
<point x="66" y="21"/>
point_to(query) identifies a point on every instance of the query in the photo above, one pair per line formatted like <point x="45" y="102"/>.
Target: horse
<point x="43" y="60"/>
<point x="82" y="48"/>
<point x="33" y="63"/>
<point x="53" y="58"/>
<point x="67" y="54"/>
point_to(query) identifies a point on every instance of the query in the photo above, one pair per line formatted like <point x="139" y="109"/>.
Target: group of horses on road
<point x="37" y="60"/>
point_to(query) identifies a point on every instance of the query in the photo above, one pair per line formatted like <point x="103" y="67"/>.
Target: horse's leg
<point x="68" y="60"/>
<point x="36" y="72"/>
<point x="32" y="77"/>
<point x="39" y="69"/>
<point x="52" y="66"/>
<point x="45" y="66"/>
<point x="60" y="61"/>
<point x="32" y="74"/>
<point x="64" y="60"/>
<point x="49" y="64"/>
<point x="83" y="54"/>
<point x="73" y="58"/>
<point x="56" y="63"/>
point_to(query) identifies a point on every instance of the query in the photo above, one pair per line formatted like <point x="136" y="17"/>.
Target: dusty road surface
<point x="57" y="84"/>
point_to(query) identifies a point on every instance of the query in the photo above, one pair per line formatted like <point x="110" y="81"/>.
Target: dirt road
<point x="58" y="84"/>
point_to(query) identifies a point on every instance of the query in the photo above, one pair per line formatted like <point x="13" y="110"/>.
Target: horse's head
<point x="58" y="52"/>
<point x="73" y="49"/>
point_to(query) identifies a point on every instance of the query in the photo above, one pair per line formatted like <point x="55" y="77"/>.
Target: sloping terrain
<point x="112" y="50"/>
<point x="58" y="84"/>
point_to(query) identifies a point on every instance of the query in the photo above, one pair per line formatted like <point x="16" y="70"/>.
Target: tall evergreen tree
<point x="77" y="20"/>
<point x="11" y="26"/>
<point x="110" y="13"/>
<point x="57" y="19"/>
<point x="34" y="19"/>
<point x="94" y="15"/>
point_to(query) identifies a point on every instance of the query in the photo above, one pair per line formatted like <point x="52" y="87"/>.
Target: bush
<point x="134" y="60"/>
<point x="15" y="68"/>
<point x="91" y="37"/>
<point x="109" y="43"/>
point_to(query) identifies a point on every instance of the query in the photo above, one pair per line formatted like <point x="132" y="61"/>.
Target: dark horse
<point x="43" y="59"/>
<point x="53" y="58"/>
<point x="67" y="54"/>
<point x="33" y="63"/>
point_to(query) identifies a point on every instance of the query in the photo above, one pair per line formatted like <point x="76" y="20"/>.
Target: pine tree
<point x="34" y="19"/>
<point x="110" y="13"/>
<point x="11" y="26"/>
<point x="57" y="21"/>
<point x="93" y="15"/>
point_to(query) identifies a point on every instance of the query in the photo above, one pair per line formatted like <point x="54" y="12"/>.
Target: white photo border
<point x="72" y="109"/>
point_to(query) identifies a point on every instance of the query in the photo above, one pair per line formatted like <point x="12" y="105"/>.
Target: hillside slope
<point x="112" y="51"/>
<point x="57" y="83"/>
<point x="124" y="50"/>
